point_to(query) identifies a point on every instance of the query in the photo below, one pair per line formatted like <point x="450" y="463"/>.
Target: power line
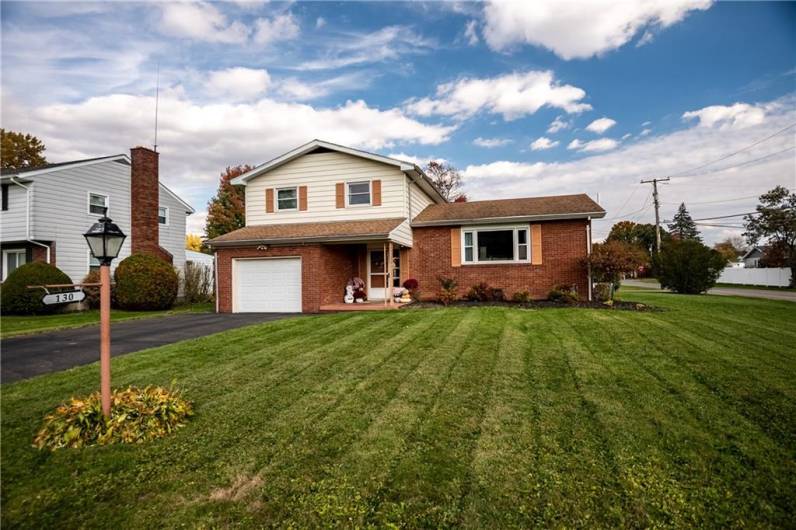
<point x="714" y="202"/>
<point x="644" y="207"/>
<point x="741" y="164"/>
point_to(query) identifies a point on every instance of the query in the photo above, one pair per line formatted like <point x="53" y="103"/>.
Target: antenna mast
<point x="157" y="98"/>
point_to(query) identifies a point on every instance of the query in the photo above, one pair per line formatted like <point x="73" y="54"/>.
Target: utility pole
<point x="657" y="203"/>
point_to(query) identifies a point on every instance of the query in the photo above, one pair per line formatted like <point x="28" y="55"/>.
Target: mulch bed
<point x="538" y="304"/>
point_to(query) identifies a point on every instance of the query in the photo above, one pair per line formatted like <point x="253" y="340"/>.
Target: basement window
<point x="498" y="244"/>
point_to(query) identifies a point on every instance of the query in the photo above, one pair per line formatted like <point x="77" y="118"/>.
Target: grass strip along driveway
<point x="473" y="417"/>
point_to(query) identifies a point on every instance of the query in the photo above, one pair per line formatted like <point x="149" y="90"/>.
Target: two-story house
<point x="46" y="210"/>
<point x="323" y="213"/>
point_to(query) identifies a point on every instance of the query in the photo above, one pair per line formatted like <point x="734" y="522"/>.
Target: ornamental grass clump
<point x="137" y="415"/>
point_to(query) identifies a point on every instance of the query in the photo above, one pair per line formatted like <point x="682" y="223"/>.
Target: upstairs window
<point x="97" y="204"/>
<point x="286" y="199"/>
<point x="163" y="215"/>
<point x="495" y="245"/>
<point x="358" y="193"/>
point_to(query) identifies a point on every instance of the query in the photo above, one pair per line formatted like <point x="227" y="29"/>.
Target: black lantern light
<point x="105" y="240"/>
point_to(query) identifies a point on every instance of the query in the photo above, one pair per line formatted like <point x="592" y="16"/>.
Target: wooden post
<point x="105" y="339"/>
<point x="390" y="269"/>
<point x="385" y="273"/>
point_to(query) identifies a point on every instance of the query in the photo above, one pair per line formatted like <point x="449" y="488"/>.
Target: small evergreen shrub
<point x="137" y="415"/>
<point x="480" y="292"/>
<point x="448" y="290"/>
<point x="144" y="282"/>
<point x="17" y="299"/>
<point x="563" y="294"/>
<point x="522" y="297"/>
<point x="688" y="266"/>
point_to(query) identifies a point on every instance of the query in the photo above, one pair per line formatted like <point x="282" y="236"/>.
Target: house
<point x="46" y="210"/>
<point x="751" y="260"/>
<point x="323" y="213"/>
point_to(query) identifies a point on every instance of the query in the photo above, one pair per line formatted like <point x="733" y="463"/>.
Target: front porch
<point x="370" y="305"/>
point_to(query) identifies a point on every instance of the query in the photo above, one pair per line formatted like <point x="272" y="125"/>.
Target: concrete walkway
<point x="31" y="355"/>
<point x="788" y="296"/>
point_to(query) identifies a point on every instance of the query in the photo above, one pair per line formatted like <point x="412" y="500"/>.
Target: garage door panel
<point x="268" y="285"/>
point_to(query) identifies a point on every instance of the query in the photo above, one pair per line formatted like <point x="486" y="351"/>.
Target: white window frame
<point x="348" y="193"/>
<point x="287" y="188"/>
<point x="496" y="228"/>
<point x="166" y="215"/>
<point x="88" y="202"/>
<point x="4" y="257"/>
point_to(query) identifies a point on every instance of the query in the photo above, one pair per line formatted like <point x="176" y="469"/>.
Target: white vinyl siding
<point x="402" y="234"/>
<point x="172" y="235"/>
<point x="12" y="221"/>
<point x="418" y="200"/>
<point x="320" y="172"/>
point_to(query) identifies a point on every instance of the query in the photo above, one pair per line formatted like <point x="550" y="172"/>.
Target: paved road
<point x="31" y="355"/>
<point x="789" y="296"/>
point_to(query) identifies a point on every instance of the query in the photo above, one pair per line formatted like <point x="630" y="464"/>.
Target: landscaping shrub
<point x="566" y="294"/>
<point x="145" y="282"/>
<point x="498" y="295"/>
<point x="17" y="299"/>
<point x="611" y="260"/>
<point x="522" y="297"/>
<point x="480" y="292"/>
<point x="688" y="266"/>
<point x="92" y="299"/>
<point x="603" y="291"/>
<point x="447" y="293"/>
<point x="137" y="415"/>
<point x="197" y="283"/>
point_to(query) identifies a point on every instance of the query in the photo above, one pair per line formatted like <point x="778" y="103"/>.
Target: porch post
<point x="390" y="269"/>
<point x="385" y="273"/>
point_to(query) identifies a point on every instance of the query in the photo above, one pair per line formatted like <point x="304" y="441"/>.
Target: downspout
<point x="588" y="252"/>
<point x="27" y="218"/>
<point x="215" y="273"/>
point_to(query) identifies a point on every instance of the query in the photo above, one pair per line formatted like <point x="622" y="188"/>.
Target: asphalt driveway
<point x="31" y="355"/>
<point x="769" y="294"/>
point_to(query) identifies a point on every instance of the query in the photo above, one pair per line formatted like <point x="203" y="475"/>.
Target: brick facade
<point x="563" y="244"/>
<point x="144" y="202"/>
<point x="40" y="253"/>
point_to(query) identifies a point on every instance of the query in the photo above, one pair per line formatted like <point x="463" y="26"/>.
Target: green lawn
<point x="11" y="325"/>
<point x="473" y="417"/>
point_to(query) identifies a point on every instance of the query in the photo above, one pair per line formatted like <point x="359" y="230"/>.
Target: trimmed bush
<point x="447" y="292"/>
<point x="145" y="282"/>
<point x="688" y="266"/>
<point x="17" y="299"/>
<point x="561" y="293"/>
<point x="522" y="297"/>
<point x="137" y="415"/>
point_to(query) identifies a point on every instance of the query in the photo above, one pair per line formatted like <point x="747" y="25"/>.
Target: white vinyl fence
<point x="770" y="277"/>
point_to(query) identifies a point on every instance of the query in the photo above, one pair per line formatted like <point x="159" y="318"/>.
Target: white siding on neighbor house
<point x="402" y="234"/>
<point x="320" y="172"/>
<point x="12" y="221"/>
<point x="172" y="236"/>
<point x="418" y="200"/>
<point x="60" y="210"/>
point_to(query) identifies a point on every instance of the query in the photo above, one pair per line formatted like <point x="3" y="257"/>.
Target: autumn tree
<point x="731" y="248"/>
<point x="446" y="179"/>
<point x="19" y="150"/>
<point x="683" y="226"/>
<point x="775" y="221"/>
<point x="193" y="242"/>
<point x="639" y="234"/>
<point x="226" y="210"/>
<point x="610" y="261"/>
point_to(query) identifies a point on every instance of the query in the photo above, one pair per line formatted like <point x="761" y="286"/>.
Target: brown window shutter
<point x="456" y="247"/>
<point x="269" y="200"/>
<point x="536" y="244"/>
<point x="376" y="190"/>
<point x="303" y="198"/>
<point x="339" y="191"/>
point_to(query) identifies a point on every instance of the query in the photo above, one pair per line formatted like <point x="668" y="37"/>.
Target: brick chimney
<point x="144" y="202"/>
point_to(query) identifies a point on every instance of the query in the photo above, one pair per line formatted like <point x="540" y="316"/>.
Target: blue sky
<point x="524" y="98"/>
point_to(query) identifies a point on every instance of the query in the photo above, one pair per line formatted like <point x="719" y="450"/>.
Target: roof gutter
<point x="294" y="240"/>
<point x="509" y="219"/>
<point x="27" y="217"/>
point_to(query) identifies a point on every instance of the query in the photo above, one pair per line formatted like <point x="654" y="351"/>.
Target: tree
<point x="20" y="150"/>
<point x="731" y="248"/>
<point x="682" y="226"/>
<point x="687" y="266"/>
<point x="611" y="260"/>
<point x="227" y="210"/>
<point x="775" y="221"/>
<point x="446" y="179"/>
<point x="193" y="242"/>
<point x="640" y="234"/>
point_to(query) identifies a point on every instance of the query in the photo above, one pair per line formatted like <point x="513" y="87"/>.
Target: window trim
<point x="348" y="183"/>
<point x="276" y="199"/>
<point x="6" y="192"/>
<point x="88" y="202"/>
<point x="496" y="228"/>
<point x="6" y="252"/>
<point x="166" y="216"/>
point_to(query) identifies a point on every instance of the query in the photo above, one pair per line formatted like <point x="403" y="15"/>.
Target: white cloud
<point x="646" y="123"/>
<point x="279" y="28"/>
<point x="238" y="83"/>
<point x="558" y="124"/>
<point x="626" y="136"/>
<point x="573" y="29"/>
<point x="645" y="132"/>
<point x="603" y="144"/>
<point x="543" y="143"/>
<point x="421" y="161"/>
<point x="600" y="125"/>
<point x="491" y="142"/>
<point x="320" y="22"/>
<point x="471" y="33"/>
<point x="616" y="174"/>
<point x="299" y="90"/>
<point x="200" y="21"/>
<point x="512" y="95"/>
<point x="737" y="116"/>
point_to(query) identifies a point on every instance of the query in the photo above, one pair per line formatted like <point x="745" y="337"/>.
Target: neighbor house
<point x="323" y="213"/>
<point x="47" y="209"/>
<point x="751" y="260"/>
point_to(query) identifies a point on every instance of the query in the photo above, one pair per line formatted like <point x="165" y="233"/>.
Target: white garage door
<point x="267" y="285"/>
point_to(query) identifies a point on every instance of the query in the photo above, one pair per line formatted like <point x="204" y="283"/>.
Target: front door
<point x="376" y="290"/>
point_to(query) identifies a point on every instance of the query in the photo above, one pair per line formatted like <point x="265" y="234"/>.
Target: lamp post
<point x="105" y="240"/>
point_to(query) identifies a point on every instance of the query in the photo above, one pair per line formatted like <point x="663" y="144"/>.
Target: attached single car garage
<point x="267" y="285"/>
